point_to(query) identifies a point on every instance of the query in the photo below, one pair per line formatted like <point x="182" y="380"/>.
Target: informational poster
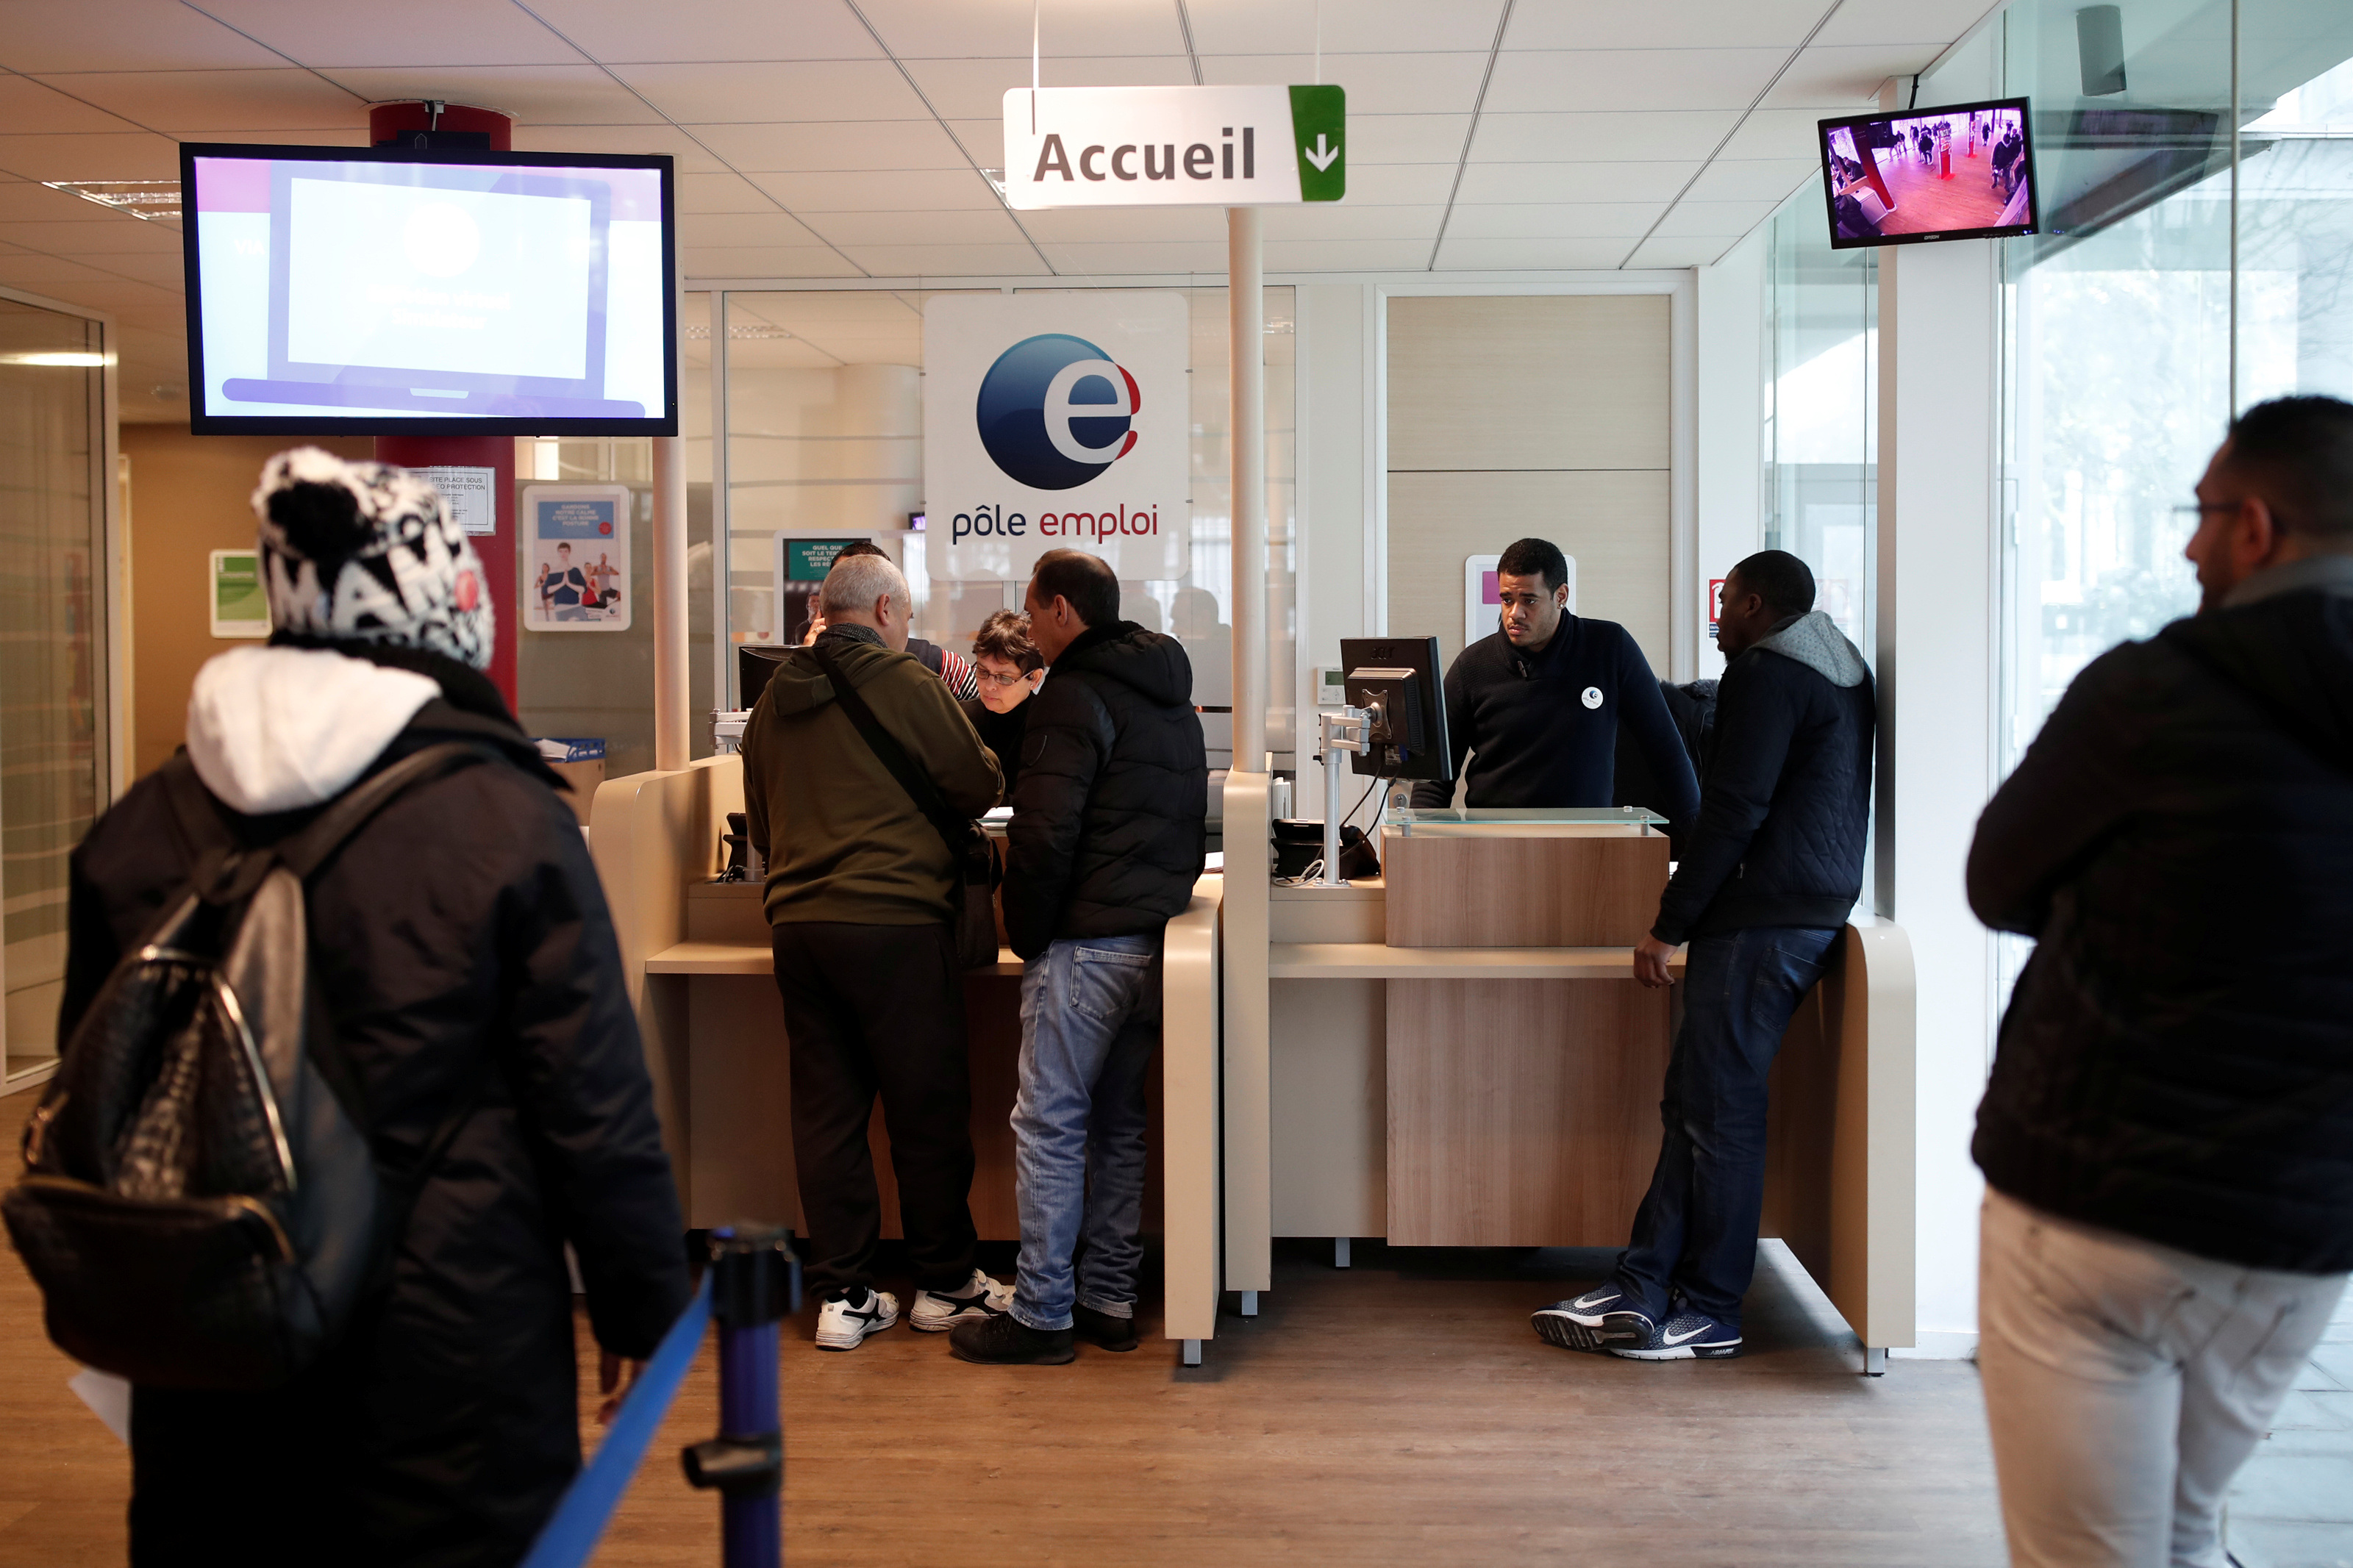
<point x="575" y="558"/>
<point x="1715" y="606"/>
<point x="240" y="606"/>
<point x="798" y="572"/>
<point x="470" y="493"/>
<point x="1057" y="421"/>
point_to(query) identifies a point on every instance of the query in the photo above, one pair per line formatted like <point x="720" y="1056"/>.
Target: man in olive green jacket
<point x="859" y="890"/>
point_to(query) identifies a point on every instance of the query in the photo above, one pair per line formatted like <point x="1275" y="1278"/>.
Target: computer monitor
<point x="1396" y="680"/>
<point x="755" y="664"/>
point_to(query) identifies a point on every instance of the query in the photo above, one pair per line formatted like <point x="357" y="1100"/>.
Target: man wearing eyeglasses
<point x="2168" y="1135"/>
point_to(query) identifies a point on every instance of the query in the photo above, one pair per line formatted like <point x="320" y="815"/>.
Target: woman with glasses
<point x="1009" y="668"/>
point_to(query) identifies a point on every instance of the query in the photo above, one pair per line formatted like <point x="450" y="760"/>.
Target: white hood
<point x="271" y="729"/>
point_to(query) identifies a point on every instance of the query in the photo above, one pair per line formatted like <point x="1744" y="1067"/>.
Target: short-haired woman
<point x="1009" y="668"/>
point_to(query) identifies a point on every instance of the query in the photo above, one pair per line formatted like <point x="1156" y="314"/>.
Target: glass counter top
<point x="1456" y="820"/>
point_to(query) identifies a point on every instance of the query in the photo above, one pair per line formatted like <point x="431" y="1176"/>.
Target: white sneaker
<point x="935" y="1313"/>
<point x="843" y="1325"/>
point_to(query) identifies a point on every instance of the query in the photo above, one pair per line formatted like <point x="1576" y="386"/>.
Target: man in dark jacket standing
<point x="1538" y="704"/>
<point x="860" y="880"/>
<point x="1766" y="880"/>
<point x="2168" y="1135"/>
<point x="1106" y="842"/>
<point x="466" y="965"/>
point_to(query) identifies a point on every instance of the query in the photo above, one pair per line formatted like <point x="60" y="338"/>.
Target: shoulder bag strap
<point x="306" y="851"/>
<point x="894" y="756"/>
<point x="210" y="850"/>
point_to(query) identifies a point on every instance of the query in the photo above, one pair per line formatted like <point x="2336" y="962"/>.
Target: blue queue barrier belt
<point x="579" y="1522"/>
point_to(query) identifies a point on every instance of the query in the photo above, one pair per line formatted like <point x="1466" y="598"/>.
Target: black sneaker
<point x="1006" y="1340"/>
<point x="1103" y="1330"/>
<point x="1594" y="1321"/>
<point x="1686" y="1336"/>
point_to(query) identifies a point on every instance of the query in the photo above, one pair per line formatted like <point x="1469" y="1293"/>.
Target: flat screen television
<point x="392" y="290"/>
<point x="1962" y="171"/>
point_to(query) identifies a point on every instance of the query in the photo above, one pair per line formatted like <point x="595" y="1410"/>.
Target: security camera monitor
<point x="1396" y="680"/>
<point x="1962" y="171"/>
<point x="375" y="291"/>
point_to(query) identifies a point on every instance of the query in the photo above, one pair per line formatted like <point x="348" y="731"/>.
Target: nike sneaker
<point x="1594" y="1321"/>
<point x="937" y="1311"/>
<point x="1686" y="1336"/>
<point x="848" y="1316"/>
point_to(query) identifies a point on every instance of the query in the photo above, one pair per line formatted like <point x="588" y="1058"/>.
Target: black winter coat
<point x="463" y="949"/>
<point x="2176" y="1060"/>
<point x="1109" y="830"/>
<point x="1785" y="804"/>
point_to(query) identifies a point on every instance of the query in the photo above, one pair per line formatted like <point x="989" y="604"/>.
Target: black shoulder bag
<point x="969" y="850"/>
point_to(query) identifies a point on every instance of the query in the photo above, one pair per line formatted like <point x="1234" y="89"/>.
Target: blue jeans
<point x="1089" y="1023"/>
<point x="1695" y="1234"/>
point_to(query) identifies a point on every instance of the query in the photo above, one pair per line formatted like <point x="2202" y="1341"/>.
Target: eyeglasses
<point x="2200" y="509"/>
<point x="1016" y="679"/>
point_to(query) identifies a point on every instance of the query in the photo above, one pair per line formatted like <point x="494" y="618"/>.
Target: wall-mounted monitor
<point x="394" y="290"/>
<point x="1965" y="171"/>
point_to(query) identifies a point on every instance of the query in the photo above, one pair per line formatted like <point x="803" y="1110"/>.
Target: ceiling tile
<point x="38" y="36"/>
<point x="973" y="225"/>
<point x="721" y="193"/>
<point x="1594" y="181"/>
<point x="1845" y="80"/>
<point x="1556" y="220"/>
<point x="1542" y="80"/>
<point x="732" y="93"/>
<point x="960" y="29"/>
<point x="763" y="261"/>
<point x="166" y="271"/>
<point x="559" y="95"/>
<point x="29" y="201"/>
<point x="397" y="32"/>
<point x="975" y="89"/>
<point x="1371" y="27"/>
<point x="1128" y="225"/>
<point x="1678" y="251"/>
<point x="28" y="106"/>
<point x="698" y="230"/>
<point x="945" y="260"/>
<point x="286" y="136"/>
<point x="1083" y="260"/>
<point x="1898" y="22"/>
<point x="1400" y="185"/>
<point x="100" y="234"/>
<point x="1376" y="84"/>
<point x="1569" y="136"/>
<point x="176" y="102"/>
<point x="834" y="148"/>
<point x="1321" y="221"/>
<point x="1460" y="255"/>
<point x="1346" y="255"/>
<point x="689" y="155"/>
<point x="1690" y="218"/>
<point x="1751" y="179"/>
<point x="903" y="190"/>
<point x="1775" y="133"/>
<point x="616" y="31"/>
<point x="116" y="155"/>
<point x="983" y="139"/>
<point x="1613" y="24"/>
<point x="83" y="283"/>
<point x="1406" y="138"/>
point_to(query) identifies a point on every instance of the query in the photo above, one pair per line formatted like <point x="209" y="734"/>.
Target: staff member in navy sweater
<point x="1538" y="704"/>
<point x="1767" y="876"/>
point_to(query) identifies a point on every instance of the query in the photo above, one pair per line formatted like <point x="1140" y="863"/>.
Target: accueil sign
<point x="1175" y="146"/>
<point x="1056" y="420"/>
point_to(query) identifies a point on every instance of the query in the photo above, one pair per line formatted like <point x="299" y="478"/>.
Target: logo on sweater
<point x="1592" y="697"/>
<point x="1054" y="411"/>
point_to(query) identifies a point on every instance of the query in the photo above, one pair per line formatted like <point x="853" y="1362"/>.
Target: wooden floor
<point x="1397" y="1413"/>
<point x="1928" y="203"/>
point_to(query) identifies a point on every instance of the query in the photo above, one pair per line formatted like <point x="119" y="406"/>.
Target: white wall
<point x="1730" y="462"/>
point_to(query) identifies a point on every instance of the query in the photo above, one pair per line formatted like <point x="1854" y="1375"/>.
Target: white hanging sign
<point x="1054" y="421"/>
<point x="1175" y="146"/>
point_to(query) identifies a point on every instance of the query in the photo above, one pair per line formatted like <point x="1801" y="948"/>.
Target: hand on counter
<point x="1651" y="957"/>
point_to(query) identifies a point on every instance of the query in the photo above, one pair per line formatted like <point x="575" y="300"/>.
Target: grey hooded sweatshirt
<point x="1785" y="791"/>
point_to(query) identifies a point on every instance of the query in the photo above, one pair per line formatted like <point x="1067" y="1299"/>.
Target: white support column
<point x="723" y="646"/>
<point x="671" y="719"/>
<point x="1246" y="436"/>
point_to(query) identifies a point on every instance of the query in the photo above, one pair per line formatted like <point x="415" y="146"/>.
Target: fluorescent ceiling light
<point x="59" y="359"/>
<point x="157" y="201"/>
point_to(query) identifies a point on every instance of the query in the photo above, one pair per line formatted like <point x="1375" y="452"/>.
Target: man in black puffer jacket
<point x="2168" y="1136"/>
<point x="1106" y="842"/>
<point x="1769" y="875"/>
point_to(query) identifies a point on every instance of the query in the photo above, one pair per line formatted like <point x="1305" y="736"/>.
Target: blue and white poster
<point x="1057" y="421"/>
<point x="576" y="565"/>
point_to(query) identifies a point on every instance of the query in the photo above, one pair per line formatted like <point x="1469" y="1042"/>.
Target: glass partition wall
<point x="53" y="681"/>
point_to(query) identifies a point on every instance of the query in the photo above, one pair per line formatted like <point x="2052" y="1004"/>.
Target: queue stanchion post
<point x="755" y="1284"/>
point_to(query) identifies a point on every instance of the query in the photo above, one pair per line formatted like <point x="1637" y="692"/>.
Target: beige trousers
<point x="2125" y="1383"/>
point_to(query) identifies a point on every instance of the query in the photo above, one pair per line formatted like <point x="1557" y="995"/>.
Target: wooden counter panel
<point x="1521" y="1112"/>
<point x="1449" y="891"/>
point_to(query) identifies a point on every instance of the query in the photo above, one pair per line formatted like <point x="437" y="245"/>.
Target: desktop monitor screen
<point x="1396" y="680"/>
<point x="390" y="290"/>
<point x="1961" y="172"/>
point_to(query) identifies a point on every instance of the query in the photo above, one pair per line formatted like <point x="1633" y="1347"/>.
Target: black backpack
<point x="201" y="1206"/>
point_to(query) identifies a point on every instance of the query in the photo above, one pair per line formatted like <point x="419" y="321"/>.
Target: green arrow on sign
<point x="1319" y="120"/>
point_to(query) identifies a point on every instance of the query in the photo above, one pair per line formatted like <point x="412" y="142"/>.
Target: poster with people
<point x="576" y="566"/>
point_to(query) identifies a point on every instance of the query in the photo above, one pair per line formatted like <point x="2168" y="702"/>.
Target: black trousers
<point x="878" y="1010"/>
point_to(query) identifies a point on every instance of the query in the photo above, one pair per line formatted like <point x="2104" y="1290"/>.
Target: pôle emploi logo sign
<point x="1056" y="420"/>
<point x="1175" y="146"/>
